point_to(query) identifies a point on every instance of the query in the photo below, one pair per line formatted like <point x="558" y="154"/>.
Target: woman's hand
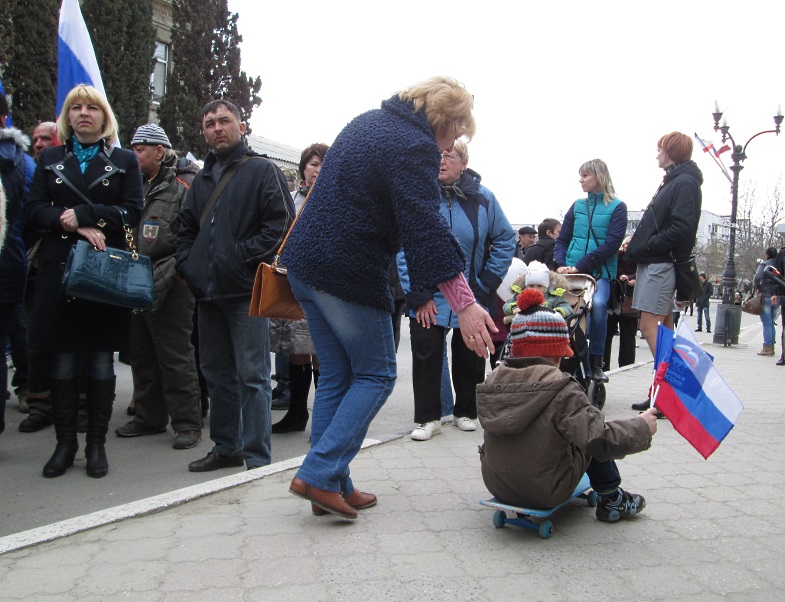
<point x="624" y="278"/>
<point x="426" y="314"/>
<point x="571" y="269"/>
<point x="94" y="236"/>
<point x="475" y="324"/>
<point x="68" y="220"/>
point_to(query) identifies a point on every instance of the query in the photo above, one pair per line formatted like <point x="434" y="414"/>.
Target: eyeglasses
<point x="450" y="156"/>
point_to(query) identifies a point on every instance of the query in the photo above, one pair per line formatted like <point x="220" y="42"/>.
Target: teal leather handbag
<point x="115" y="276"/>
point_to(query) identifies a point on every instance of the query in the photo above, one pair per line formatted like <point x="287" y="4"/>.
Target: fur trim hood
<point x="18" y="137"/>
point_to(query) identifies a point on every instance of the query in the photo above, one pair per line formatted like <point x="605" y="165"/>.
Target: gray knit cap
<point x="151" y="134"/>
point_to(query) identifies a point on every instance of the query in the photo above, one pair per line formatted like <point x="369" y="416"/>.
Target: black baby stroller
<point x="580" y="292"/>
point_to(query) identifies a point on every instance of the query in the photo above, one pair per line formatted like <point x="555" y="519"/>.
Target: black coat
<point x="669" y="224"/>
<point x="112" y="179"/>
<point x="246" y="226"/>
<point x="542" y="251"/>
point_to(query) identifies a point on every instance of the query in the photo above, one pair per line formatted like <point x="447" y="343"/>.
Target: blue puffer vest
<point x="583" y="241"/>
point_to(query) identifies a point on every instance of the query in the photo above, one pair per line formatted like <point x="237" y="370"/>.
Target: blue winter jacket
<point x="592" y="250"/>
<point x="16" y="172"/>
<point x="376" y="192"/>
<point x="488" y="242"/>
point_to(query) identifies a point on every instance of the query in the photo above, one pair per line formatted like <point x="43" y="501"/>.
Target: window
<point x="160" y="71"/>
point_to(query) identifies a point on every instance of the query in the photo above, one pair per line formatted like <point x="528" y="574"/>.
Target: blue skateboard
<point x="536" y="519"/>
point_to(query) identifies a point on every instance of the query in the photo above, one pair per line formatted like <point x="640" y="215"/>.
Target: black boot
<point x="299" y="386"/>
<point x="65" y="404"/>
<point x="100" y="396"/>
<point x="595" y="361"/>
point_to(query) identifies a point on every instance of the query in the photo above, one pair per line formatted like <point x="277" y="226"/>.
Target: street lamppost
<point x="727" y="322"/>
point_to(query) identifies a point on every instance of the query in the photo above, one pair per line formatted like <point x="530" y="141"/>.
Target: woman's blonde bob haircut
<point x="600" y="170"/>
<point x="90" y="95"/>
<point x="447" y="105"/>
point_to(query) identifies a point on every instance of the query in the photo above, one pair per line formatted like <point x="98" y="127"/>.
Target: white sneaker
<point x="465" y="424"/>
<point x="426" y="431"/>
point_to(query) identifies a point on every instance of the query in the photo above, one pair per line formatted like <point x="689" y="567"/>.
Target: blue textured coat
<point x="376" y="192"/>
<point x="16" y="172"/>
<point x="487" y="240"/>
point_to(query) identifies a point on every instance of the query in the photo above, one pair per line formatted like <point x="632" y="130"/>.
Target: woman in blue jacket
<point x="488" y="243"/>
<point x="590" y="237"/>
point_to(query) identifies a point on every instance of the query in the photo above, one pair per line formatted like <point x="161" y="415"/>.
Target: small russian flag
<point x="691" y="392"/>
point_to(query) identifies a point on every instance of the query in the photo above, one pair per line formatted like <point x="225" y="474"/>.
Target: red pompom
<point x="530" y="297"/>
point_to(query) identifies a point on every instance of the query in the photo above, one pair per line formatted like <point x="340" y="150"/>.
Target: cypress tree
<point x="206" y="66"/>
<point x="124" y="40"/>
<point x="29" y="60"/>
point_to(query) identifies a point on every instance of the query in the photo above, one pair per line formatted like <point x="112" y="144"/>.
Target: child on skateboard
<point x="541" y="432"/>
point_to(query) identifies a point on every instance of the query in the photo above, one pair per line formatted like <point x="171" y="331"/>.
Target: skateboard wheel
<point x="499" y="518"/>
<point x="545" y="530"/>
<point x="591" y="500"/>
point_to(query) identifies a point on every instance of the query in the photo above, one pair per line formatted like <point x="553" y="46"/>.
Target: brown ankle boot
<point x="767" y="350"/>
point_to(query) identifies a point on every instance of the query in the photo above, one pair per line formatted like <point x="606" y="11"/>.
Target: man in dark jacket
<point x="162" y="358"/>
<point x="221" y="242"/>
<point x="526" y="237"/>
<point x="542" y="250"/>
<point x="703" y="302"/>
<point x="16" y="171"/>
<point x="779" y="297"/>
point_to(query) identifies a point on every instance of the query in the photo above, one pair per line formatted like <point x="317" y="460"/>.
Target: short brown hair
<point x="677" y="146"/>
<point x="547" y="224"/>
<point x="318" y="149"/>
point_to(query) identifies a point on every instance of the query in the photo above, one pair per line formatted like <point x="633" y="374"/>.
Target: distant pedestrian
<point x="542" y="250"/>
<point x="766" y="287"/>
<point x="703" y="302"/>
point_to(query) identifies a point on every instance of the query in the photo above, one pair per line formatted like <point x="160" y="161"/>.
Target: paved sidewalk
<point x="712" y="529"/>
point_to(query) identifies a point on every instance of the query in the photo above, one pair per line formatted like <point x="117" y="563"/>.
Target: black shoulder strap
<point x="59" y="169"/>
<point x="220" y="187"/>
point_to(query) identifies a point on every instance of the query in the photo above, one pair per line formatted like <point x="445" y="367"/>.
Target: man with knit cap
<point x="166" y="386"/>
<point x="541" y="432"/>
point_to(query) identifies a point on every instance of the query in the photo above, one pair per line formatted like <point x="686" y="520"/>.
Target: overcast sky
<point x="555" y="83"/>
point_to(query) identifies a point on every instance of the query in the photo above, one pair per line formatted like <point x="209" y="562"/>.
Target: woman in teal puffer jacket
<point x="590" y="237"/>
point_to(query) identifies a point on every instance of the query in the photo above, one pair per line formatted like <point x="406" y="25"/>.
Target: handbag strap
<point x="228" y="174"/>
<point x="283" y="244"/>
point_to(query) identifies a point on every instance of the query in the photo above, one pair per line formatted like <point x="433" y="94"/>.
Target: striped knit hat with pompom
<point x="538" y="331"/>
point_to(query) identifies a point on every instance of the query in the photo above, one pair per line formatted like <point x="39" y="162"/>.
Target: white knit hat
<point x="538" y="273"/>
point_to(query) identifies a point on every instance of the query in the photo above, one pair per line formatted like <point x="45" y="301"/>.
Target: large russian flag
<point x="691" y="392"/>
<point x="76" y="62"/>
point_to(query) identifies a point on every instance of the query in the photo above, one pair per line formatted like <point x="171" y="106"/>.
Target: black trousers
<point x="468" y="370"/>
<point x="628" y="330"/>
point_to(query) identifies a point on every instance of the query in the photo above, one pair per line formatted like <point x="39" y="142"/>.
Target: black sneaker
<point x="626" y="505"/>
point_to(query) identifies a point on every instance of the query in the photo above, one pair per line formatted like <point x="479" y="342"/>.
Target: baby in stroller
<point x="569" y="295"/>
<point x="553" y="286"/>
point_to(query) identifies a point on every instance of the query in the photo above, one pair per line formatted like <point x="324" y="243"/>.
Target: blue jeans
<point x="704" y="311"/>
<point x="66" y="366"/>
<point x="448" y="402"/>
<point x="603" y="476"/>
<point x="768" y="321"/>
<point x="356" y="349"/>
<point x="235" y="357"/>
<point x="598" y="321"/>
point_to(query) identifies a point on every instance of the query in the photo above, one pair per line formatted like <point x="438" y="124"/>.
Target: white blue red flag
<point x="76" y="62"/>
<point x="691" y="392"/>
